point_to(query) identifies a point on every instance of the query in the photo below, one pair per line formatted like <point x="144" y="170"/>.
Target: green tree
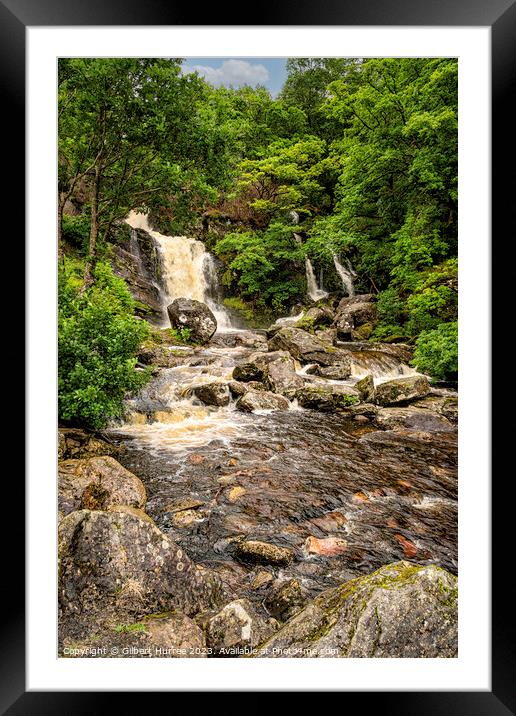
<point x="98" y="340"/>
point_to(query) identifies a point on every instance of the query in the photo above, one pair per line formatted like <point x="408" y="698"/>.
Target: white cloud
<point x="232" y="72"/>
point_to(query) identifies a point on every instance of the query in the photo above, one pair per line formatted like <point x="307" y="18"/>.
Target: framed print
<point x="258" y="246"/>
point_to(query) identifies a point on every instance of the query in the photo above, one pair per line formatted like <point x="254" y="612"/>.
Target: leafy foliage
<point x="436" y="352"/>
<point x="98" y="339"/>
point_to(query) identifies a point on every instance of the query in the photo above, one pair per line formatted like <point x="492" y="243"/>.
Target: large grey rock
<point x="97" y="483"/>
<point x="194" y="315"/>
<point x="411" y="418"/>
<point x="337" y="371"/>
<point x="115" y="563"/>
<point x="401" y="390"/>
<point x="400" y="611"/>
<point x="166" y="635"/>
<point x="238" y="628"/>
<point x="327" y="398"/>
<point x="303" y="346"/>
<point x="316" y="317"/>
<point x="261" y="400"/>
<point x="353" y="313"/>
<point x="275" y="369"/>
<point x="216" y="394"/>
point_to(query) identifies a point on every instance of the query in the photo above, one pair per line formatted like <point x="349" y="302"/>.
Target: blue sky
<point x="239" y="71"/>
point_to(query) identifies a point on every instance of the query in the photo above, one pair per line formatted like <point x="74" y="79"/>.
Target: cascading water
<point x="188" y="270"/>
<point x="346" y="275"/>
<point x="313" y="290"/>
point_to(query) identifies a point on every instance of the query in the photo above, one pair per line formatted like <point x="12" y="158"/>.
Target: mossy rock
<point x="400" y="611"/>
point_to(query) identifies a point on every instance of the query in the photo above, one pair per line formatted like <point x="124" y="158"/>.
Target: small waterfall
<point x="346" y="275"/>
<point x="313" y="290"/>
<point x="188" y="270"/>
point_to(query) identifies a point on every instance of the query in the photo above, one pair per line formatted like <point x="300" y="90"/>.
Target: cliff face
<point x="136" y="259"/>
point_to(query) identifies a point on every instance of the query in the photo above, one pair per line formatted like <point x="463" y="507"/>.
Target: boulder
<point x="114" y="564"/>
<point x="411" y="418"/>
<point x="263" y="553"/>
<point x="282" y="377"/>
<point x="75" y="442"/>
<point x="237" y="388"/>
<point x="194" y="315"/>
<point x="327" y="398"/>
<point x="261" y="400"/>
<point x="216" y="394"/>
<point x="276" y="370"/>
<point x="400" y="611"/>
<point x="237" y="629"/>
<point x="97" y="483"/>
<point x="365" y="387"/>
<point x="401" y="390"/>
<point x="353" y="313"/>
<point x="285" y="599"/>
<point x="165" y="635"/>
<point x="363" y="332"/>
<point x="337" y="371"/>
<point x="302" y="346"/>
<point x="315" y="317"/>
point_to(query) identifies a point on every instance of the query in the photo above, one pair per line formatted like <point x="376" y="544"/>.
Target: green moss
<point x="130" y="628"/>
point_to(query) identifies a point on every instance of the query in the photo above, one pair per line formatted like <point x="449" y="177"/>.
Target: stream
<point x="345" y="496"/>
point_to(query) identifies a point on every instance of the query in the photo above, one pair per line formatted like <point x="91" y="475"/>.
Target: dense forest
<point x="363" y="153"/>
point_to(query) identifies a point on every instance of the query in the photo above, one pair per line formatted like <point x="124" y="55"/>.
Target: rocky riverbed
<point x="269" y="491"/>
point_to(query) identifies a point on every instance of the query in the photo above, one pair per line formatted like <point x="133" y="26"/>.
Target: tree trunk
<point x="94" y="231"/>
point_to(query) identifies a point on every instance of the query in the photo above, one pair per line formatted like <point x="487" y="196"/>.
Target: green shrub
<point x="76" y="231"/>
<point x="436" y="352"/>
<point x="98" y="340"/>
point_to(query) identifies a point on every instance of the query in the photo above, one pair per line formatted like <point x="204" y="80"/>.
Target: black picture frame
<point x="500" y="16"/>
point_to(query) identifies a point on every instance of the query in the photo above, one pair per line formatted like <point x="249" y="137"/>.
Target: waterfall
<point x="346" y="275"/>
<point x="313" y="290"/>
<point x="188" y="270"/>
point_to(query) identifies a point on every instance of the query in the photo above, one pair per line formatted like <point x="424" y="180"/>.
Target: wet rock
<point x="261" y="400"/>
<point x="282" y="377"/>
<point x="315" y="317"/>
<point x="261" y="578"/>
<point x="276" y="370"/>
<point x="328" y="398"/>
<point x="330" y="521"/>
<point x="235" y="493"/>
<point x="184" y="503"/>
<point x="194" y="315"/>
<point x="399" y="611"/>
<point x="236" y="388"/>
<point x="238" y="628"/>
<point x="352" y="313"/>
<point x="401" y="390"/>
<point x="302" y="346"/>
<point x="114" y="564"/>
<point x="285" y="599"/>
<point x="363" y="332"/>
<point x="327" y="336"/>
<point x="78" y="443"/>
<point x="216" y="394"/>
<point x="263" y="552"/>
<point x="365" y="387"/>
<point x="186" y="518"/>
<point x="97" y="483"/>
<point x="326" y="547"/>
<point x="411" y="418"/>
<point x="337" y="371"/>
<point x="445" y="405"/>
